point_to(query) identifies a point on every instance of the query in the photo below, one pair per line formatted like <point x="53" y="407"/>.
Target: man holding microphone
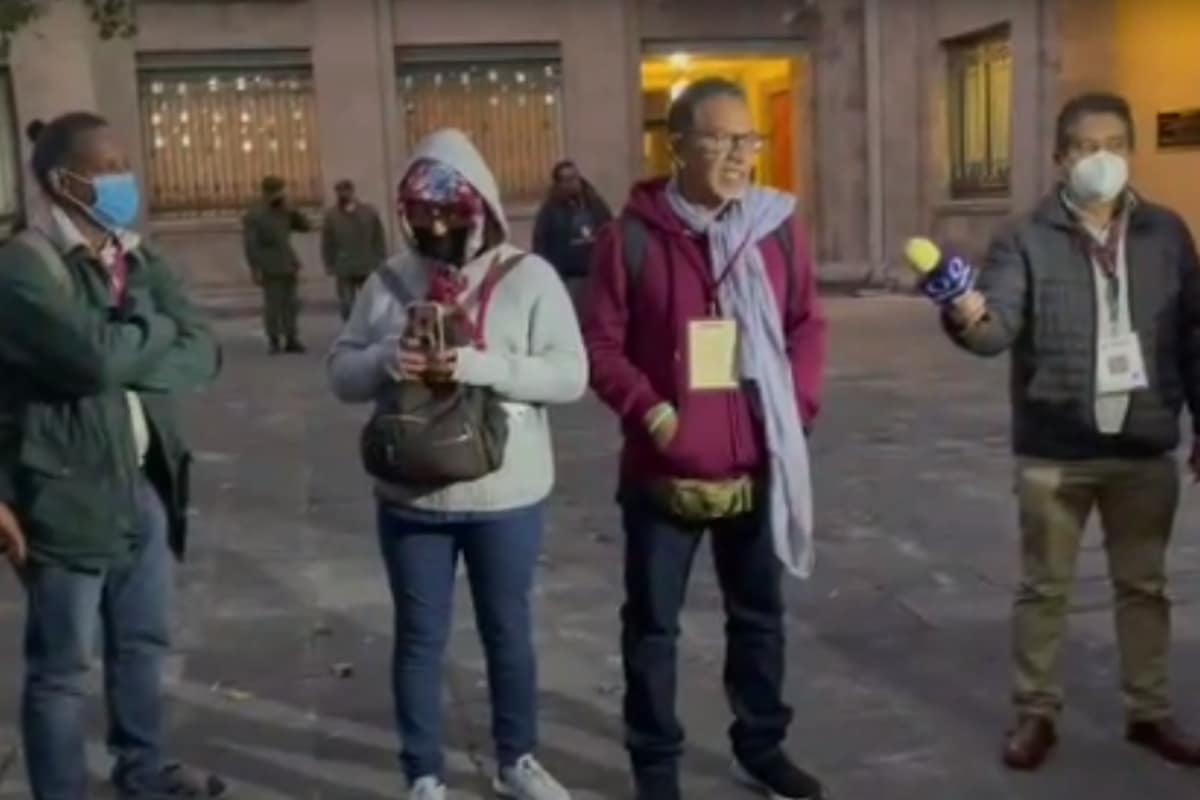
<point x="1096" y="293"/>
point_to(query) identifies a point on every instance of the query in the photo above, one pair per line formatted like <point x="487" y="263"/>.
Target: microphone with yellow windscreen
<point x="944" y="278"/>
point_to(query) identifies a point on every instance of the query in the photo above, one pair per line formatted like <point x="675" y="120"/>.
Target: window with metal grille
<point x="508" y="100"/>
<point x="215" y="124"/>
<point x="10" y="157"/>
<point x="979" y="105"/>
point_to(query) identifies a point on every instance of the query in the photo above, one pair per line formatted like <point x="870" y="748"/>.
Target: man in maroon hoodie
<point x="705" y="336"/>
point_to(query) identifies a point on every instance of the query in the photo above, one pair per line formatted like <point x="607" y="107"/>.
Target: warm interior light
<point x="680" y="60"/>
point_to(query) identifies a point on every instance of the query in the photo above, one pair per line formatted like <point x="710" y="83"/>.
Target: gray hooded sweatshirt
<point x="534" y="356"/>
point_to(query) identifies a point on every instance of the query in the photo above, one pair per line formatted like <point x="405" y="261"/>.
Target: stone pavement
<point x="898" y="646"/>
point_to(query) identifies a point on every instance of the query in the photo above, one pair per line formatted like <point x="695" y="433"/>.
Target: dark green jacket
<point x="267" y="240"/>
<point x="67" y="462"/>
<point x="352" y="242"/>
<point x="1039" y="284"/>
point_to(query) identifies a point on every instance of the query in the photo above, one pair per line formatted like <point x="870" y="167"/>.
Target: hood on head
<point x="453" y="148"/>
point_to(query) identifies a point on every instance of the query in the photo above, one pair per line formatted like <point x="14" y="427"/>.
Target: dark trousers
<point x="577" y="288"/>
<point x="421" y="552"/>
<point x="659" y="552"/>
<point x="130" y="604"/>
<point x="348" y="287"/>
<point x="281" y="307"/>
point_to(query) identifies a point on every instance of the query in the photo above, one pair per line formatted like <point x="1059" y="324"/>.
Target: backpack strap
<point x="37" y="242"/>
<point x="496" y="273"/>
<point x="634" y="240"/>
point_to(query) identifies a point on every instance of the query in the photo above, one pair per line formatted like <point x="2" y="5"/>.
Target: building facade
<point x="886" y="117"/>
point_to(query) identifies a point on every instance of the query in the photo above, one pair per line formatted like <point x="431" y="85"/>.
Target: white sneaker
<point x="427" y="788"/>
<point x="528" y="780"/>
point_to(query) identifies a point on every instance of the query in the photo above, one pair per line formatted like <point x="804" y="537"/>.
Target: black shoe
<point x="294" y="346"/>
<point x="176" y="782"/>
<point x="662" y="785"/>
<point x="779" y="779"/>
<point x="273" y="348"/>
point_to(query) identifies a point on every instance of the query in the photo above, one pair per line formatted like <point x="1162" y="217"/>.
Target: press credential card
<point x="712" y="355"/>
<point x="1121" y="367"/>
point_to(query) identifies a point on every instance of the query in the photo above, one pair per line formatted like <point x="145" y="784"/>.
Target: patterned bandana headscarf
<point x="438" y="184"/>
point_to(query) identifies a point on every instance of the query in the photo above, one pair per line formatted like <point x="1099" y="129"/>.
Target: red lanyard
<point x="487" y="287"/>
<point x="486" y="290"/>
<point x="712" y="286"/>
<point x="120" y="276"/>
<point x="115" y="263"/>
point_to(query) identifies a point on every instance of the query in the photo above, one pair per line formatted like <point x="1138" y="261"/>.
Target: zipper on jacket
<point x="1093" y="339"/>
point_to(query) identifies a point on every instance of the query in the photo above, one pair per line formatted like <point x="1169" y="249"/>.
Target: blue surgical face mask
<point x="117" y="199"/>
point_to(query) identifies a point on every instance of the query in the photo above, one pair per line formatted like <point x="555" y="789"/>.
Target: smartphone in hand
<point x="427" y="325"/>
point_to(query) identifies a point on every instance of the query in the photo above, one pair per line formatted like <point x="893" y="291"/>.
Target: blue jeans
<point x="421" y="553"/>
<point x="659" y="552"/>
<point x="131" y="603"/>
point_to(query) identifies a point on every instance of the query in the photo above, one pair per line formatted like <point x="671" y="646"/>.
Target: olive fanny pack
<point x="703" y="501"/>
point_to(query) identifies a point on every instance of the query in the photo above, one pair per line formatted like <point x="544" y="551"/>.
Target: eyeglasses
<point x="717" y="143"/>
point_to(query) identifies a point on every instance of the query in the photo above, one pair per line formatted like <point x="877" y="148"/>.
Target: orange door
<point x="782" y="152"/>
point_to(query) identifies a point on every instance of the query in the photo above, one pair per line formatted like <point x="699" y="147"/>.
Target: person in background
<point x="97" y="337"/>
<point x="528" y="352"/>
<point x="353" y="244"/>
<point x="567" y="224"/>
<point x="1096" y="295"/>
<point x="274" y="264"/>
<point x="706" y="337"/>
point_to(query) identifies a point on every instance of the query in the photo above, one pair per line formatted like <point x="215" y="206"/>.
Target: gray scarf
<point x="747" y="295"/>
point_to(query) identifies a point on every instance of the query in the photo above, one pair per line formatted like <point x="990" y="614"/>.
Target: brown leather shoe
<point x="1030" y="742"/>
<point x="1166" y="739"/>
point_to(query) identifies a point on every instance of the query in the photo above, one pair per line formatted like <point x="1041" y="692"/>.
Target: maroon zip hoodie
<point x="636" y="338"/>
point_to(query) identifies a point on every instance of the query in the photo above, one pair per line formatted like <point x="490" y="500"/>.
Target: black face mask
<point x="450" y="248"/>
<point x="277" y="201"/>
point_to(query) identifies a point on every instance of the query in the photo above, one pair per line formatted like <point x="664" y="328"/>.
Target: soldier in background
<point x="352" y="243"/>
<point x="267" y="237"/>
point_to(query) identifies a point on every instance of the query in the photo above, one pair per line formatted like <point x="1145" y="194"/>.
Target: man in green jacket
<point x="353" y="244"/>
<point x="267" y="238"/>
<point x="96" y="338"/>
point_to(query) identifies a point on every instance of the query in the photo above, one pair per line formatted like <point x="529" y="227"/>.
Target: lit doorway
<point x="778" y="87"/>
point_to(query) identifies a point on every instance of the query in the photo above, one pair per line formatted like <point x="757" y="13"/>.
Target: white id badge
<point x="1121" y="368"/>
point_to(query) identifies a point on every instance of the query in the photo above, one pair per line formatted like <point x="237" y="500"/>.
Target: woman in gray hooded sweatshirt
<point x="533" y="357"/>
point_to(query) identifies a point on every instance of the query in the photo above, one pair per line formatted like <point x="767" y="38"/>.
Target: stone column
<point x="354" y="73"/>
<point x="116" y="88"/>
<point x="51" y="62"/>
<point x="59" y="64"/>
<point x="841" y="146"/>
<point x="901" y="105"/>
<point x="602" y="93"/>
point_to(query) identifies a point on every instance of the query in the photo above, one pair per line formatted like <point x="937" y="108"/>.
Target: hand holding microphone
<point x="948" y="280"/>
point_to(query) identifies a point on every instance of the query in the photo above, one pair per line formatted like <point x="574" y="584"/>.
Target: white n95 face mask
<point x="1099" y="177"/>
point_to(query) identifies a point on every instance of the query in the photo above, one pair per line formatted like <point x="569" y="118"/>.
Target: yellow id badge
<point x="712" y="355"/>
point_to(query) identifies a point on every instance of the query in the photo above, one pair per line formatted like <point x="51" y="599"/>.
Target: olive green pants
<point x="281" y="307"/>
<point x="1137" y="502"/>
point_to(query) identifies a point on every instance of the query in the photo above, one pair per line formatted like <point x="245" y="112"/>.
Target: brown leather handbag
<point x="435" y="433"/>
